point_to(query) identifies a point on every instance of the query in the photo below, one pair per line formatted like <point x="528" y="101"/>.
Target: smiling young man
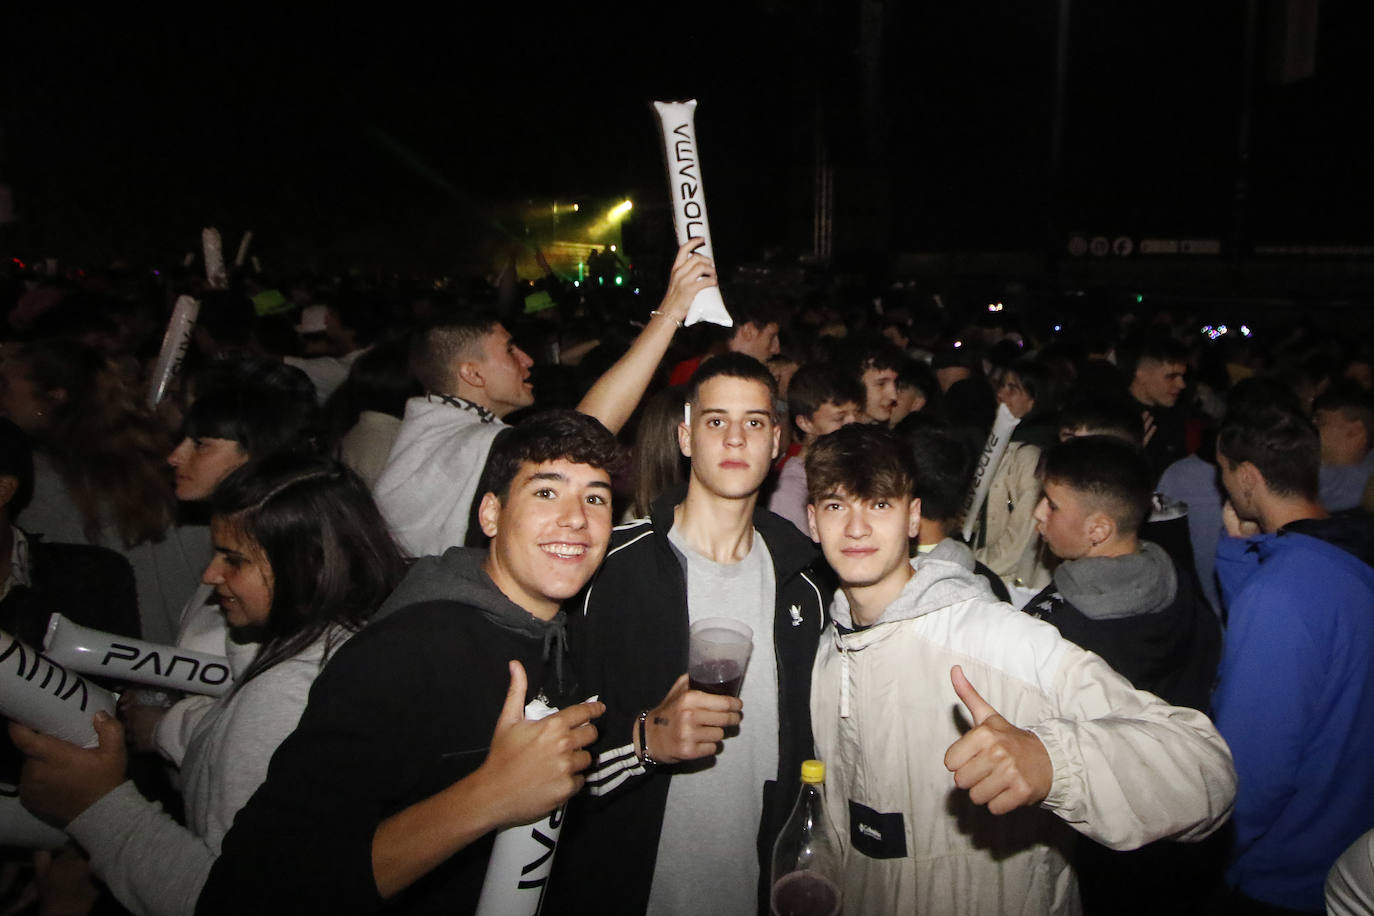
<point x="411" y="752"/>
<point x="682" y="795"/>
<point x="474" y="376"/>
<point x="911" y="641"/>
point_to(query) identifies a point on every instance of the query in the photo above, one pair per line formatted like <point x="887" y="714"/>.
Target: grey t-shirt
<point x="706" y="860"/>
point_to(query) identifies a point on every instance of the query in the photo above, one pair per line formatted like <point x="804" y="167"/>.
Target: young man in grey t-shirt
<point x="687" y="782"/>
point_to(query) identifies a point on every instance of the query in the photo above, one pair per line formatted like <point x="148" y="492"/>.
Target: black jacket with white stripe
<point x="627" y="637"/>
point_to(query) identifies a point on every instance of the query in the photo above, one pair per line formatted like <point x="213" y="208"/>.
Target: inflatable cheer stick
<point x="243" y="248"/>
<point x="88" y="651"/>
<point x="175" y="343"/>
<point x="522" y="856"/>
<point x="678" y="120"/>
<point x="215" y="274"/>
<point x="20" y="828"/>
<point x="40" y="693"/>
<point x="993" y="450"/>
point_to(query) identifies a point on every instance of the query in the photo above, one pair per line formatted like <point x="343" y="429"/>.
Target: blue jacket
<point x="1295" y="701"/>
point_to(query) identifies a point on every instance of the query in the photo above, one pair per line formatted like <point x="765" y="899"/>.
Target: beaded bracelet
<point x="666" y="315"/>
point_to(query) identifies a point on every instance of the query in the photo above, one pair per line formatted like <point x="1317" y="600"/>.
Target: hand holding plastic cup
<point x="718" y="655"/>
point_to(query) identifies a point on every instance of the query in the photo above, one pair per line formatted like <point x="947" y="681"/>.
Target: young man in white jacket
<point x="963" y="739"/>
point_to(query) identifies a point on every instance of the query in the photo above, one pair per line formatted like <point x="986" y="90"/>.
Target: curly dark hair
<point x="551" y="435"/>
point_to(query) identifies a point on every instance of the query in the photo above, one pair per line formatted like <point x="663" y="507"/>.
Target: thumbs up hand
<point x="1002" y="766"/>
<point x="535" y="766"/>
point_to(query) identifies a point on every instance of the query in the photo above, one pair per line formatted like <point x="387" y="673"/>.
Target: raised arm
<point x="616" y="394"/>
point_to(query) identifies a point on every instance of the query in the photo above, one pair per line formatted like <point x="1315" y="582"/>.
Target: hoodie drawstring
<point x="556" y="642"/>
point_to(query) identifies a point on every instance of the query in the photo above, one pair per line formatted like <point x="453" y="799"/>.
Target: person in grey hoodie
<point x="1127" y="600"/>
<point x="1113" y="593"/>
<point x="948" y="817"/>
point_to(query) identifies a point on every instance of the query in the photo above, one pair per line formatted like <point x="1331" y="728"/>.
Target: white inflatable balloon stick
<point x="40" y="693"/>
<point x="210" y="244"/>
<point x="678" y="120"/>
<point x="993" y="450"/>
<point x="175" y="342"/>
<point x="243" y="248"/>
<point x="522" y="856"/>
<point x="20" y="828"/>
<point x="87" y="651"/>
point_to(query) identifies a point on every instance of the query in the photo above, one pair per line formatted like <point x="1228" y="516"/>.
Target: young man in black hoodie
<point x="414" y="750"/>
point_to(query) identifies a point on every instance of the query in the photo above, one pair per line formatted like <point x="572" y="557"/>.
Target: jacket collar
<point x="790" y="551"/>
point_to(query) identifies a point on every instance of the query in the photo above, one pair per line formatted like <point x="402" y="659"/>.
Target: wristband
<point x="666" y="315"/>
<point x="643" y="755"/>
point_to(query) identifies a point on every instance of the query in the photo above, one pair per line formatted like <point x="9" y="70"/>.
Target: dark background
<point x="404" y="140"/>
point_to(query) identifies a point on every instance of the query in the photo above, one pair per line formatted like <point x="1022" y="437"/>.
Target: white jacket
<point x="426" y="490"/>
<point x="1128" y="768"/>
<point x="1011" y="545"/>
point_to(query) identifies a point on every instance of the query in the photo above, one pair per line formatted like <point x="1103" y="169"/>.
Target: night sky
<point x="414" y="141"/>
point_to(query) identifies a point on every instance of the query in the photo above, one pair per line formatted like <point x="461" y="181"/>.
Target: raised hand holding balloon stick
<point x="678" y="120"/>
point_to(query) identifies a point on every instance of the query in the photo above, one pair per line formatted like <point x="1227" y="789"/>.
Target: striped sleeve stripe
<point x="613" y="767"/>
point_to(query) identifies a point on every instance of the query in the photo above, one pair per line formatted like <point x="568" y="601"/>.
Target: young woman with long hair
<point x="301" y="554"/>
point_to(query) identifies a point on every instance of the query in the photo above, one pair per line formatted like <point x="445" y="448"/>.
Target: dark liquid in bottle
<point x="805" y="893"/>
<point x="723" y="677"/>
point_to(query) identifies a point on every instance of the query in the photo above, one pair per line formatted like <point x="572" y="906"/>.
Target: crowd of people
<point x="1079" y="620"/>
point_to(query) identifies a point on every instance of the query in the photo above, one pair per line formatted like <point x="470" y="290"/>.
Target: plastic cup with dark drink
<point x="719" y="655"/>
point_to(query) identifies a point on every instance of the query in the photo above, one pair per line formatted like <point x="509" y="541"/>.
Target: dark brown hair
<point x="863" y="461"/>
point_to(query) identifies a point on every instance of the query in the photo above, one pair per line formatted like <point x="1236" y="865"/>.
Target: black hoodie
<point x="405" y="709"/>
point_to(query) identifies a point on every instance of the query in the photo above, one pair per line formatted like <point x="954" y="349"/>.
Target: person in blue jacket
<point x="1295" y="693"/>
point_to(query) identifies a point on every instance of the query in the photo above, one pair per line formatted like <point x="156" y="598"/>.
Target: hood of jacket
<point x="457" y="576"/>
<point x="935" y="584"/>
<point x="1105" y="588"/>
<point x="953" y="550"/>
